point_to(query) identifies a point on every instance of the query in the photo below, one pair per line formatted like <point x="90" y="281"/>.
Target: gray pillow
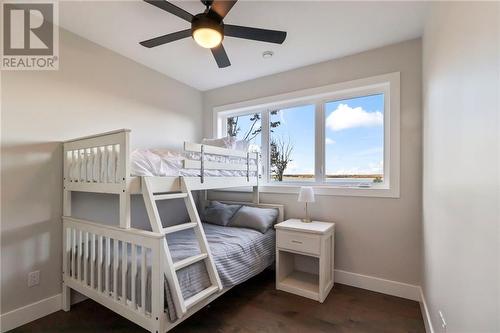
<point x="219" y="213"/>
<point x="260" y="219"/>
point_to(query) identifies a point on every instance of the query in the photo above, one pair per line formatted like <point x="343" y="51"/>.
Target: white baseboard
<point x="425" y="313"/>
<point x="383" y="286"/>
<point x="388" y="287"/>
<point x="34" y="311"/>
<point x="28" y="313"/>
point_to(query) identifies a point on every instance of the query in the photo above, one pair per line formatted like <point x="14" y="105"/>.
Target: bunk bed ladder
<point x="171" y="268"/>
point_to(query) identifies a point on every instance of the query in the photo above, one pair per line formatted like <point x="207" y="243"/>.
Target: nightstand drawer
<point x="298" y="242"/>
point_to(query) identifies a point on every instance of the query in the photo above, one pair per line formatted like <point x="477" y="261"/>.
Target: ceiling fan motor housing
<point x="207" y="21"/>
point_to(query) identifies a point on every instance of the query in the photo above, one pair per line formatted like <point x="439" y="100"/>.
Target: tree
<point x="280" y="154"/>
<point x="255" y="128"/>
<point x="280" y="151"/>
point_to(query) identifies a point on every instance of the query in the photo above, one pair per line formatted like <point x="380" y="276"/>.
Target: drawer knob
<point x="296" y="242"/>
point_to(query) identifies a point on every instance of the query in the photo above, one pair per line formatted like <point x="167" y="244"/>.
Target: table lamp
<point x="306" y="195"/>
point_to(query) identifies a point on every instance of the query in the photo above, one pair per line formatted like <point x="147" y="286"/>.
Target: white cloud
<point x="294" y="168"/>
<point x="372" y="168"/>
<point x="329" y="141"/>
<point x="346" y="171"/>
<point x="345" y="117"/>
<point x="376" y="167"/>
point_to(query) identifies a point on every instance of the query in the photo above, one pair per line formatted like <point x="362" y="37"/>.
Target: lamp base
<point x="307" y="219"/>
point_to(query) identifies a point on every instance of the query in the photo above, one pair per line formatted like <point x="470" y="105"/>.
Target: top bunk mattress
<point x="163" y="162"/>
<point x="102" y="165"/>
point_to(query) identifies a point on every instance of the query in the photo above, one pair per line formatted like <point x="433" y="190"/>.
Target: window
<point x="342" y="139"/>
<point x="354" y="141"/>
<point x="291" y="144"/>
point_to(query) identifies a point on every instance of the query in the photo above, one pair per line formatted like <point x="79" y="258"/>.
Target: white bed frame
<point x="88" y="246"/>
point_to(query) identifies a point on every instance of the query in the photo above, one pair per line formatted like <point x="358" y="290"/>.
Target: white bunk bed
<point x="94" y="254"/>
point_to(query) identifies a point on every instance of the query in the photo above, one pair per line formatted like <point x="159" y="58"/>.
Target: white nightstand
<point x="304" y="258"/>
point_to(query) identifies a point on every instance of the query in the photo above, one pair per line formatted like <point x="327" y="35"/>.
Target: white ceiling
<point x="317" y="31"/>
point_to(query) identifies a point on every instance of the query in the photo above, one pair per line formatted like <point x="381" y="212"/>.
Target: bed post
<point x="158" y="314"/>
<point x="125" y="209"/>
<point x="255" y="194"/>
<point x="66" y="291"/>
<point x="255" y="189"/>
<point x="124" y="172"/>
<point x="204" y="199"/>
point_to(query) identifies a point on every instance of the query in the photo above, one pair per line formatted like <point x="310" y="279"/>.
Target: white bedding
<point x="163" y="162"/>
<point x="101" y="165"/>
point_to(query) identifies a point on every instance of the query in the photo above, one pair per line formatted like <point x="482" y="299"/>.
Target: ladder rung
<point x="169" y="196"/>
<point x="179" y="227"/>
<point x="200" y="296"/>
<point x="189" y="261"/>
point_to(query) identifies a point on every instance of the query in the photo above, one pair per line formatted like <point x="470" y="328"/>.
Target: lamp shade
<point x="306" y="194"/>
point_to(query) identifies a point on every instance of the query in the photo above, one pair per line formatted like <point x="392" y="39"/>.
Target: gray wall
<point x="461" y="164"/>
<point x="95" y="90"/>
<point x="375" y="236"/>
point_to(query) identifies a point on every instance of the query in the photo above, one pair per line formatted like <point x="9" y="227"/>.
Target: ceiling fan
<point x="208" y="28"/>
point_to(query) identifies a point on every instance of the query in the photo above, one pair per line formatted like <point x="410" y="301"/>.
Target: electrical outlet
<point x="33" y="278"/>
<point x="443" y="321"/>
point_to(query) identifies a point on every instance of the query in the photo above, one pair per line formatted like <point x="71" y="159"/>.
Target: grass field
<point x="374" y="178"/>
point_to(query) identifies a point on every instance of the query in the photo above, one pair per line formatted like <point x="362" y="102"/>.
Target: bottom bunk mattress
<point x="239" y="254"/>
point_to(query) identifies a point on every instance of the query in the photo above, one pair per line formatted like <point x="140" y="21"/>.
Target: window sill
<point x="322" y="190"/>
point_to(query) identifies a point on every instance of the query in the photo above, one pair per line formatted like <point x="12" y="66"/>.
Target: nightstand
<point x="304" y="258"/>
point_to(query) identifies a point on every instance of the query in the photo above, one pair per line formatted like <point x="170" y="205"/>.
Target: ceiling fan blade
<point x="263" y="35"/>
<point x="222" y="7"/>
<point x="166" y="38"/>
<point x="220" y="56"/>
<point x="172" y="9"/>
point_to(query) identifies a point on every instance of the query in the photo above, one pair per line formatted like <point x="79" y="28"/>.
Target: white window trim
<point x="389" y="84"/>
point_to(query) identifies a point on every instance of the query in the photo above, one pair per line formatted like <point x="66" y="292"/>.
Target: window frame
<point x="388" y="84"/>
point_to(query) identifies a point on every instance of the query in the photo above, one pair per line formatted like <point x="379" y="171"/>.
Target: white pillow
<point x="226" y="142"/>
<point x="242" y="145"/>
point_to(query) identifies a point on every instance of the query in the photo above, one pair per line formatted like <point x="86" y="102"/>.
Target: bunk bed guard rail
<point x="247" y="166"/>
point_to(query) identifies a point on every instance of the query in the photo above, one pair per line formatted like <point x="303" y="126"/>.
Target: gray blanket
<point x="239" y="254"/>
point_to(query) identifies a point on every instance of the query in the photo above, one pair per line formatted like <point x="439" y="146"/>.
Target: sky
<point x="354" y="136"/>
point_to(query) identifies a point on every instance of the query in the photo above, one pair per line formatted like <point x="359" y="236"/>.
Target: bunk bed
<point x="134" y="272"/>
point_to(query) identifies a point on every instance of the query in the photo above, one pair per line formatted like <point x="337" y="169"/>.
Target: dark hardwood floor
<point x="256" y="306"/>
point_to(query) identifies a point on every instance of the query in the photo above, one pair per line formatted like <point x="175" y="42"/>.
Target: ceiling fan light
<point x="207" y="37"/>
